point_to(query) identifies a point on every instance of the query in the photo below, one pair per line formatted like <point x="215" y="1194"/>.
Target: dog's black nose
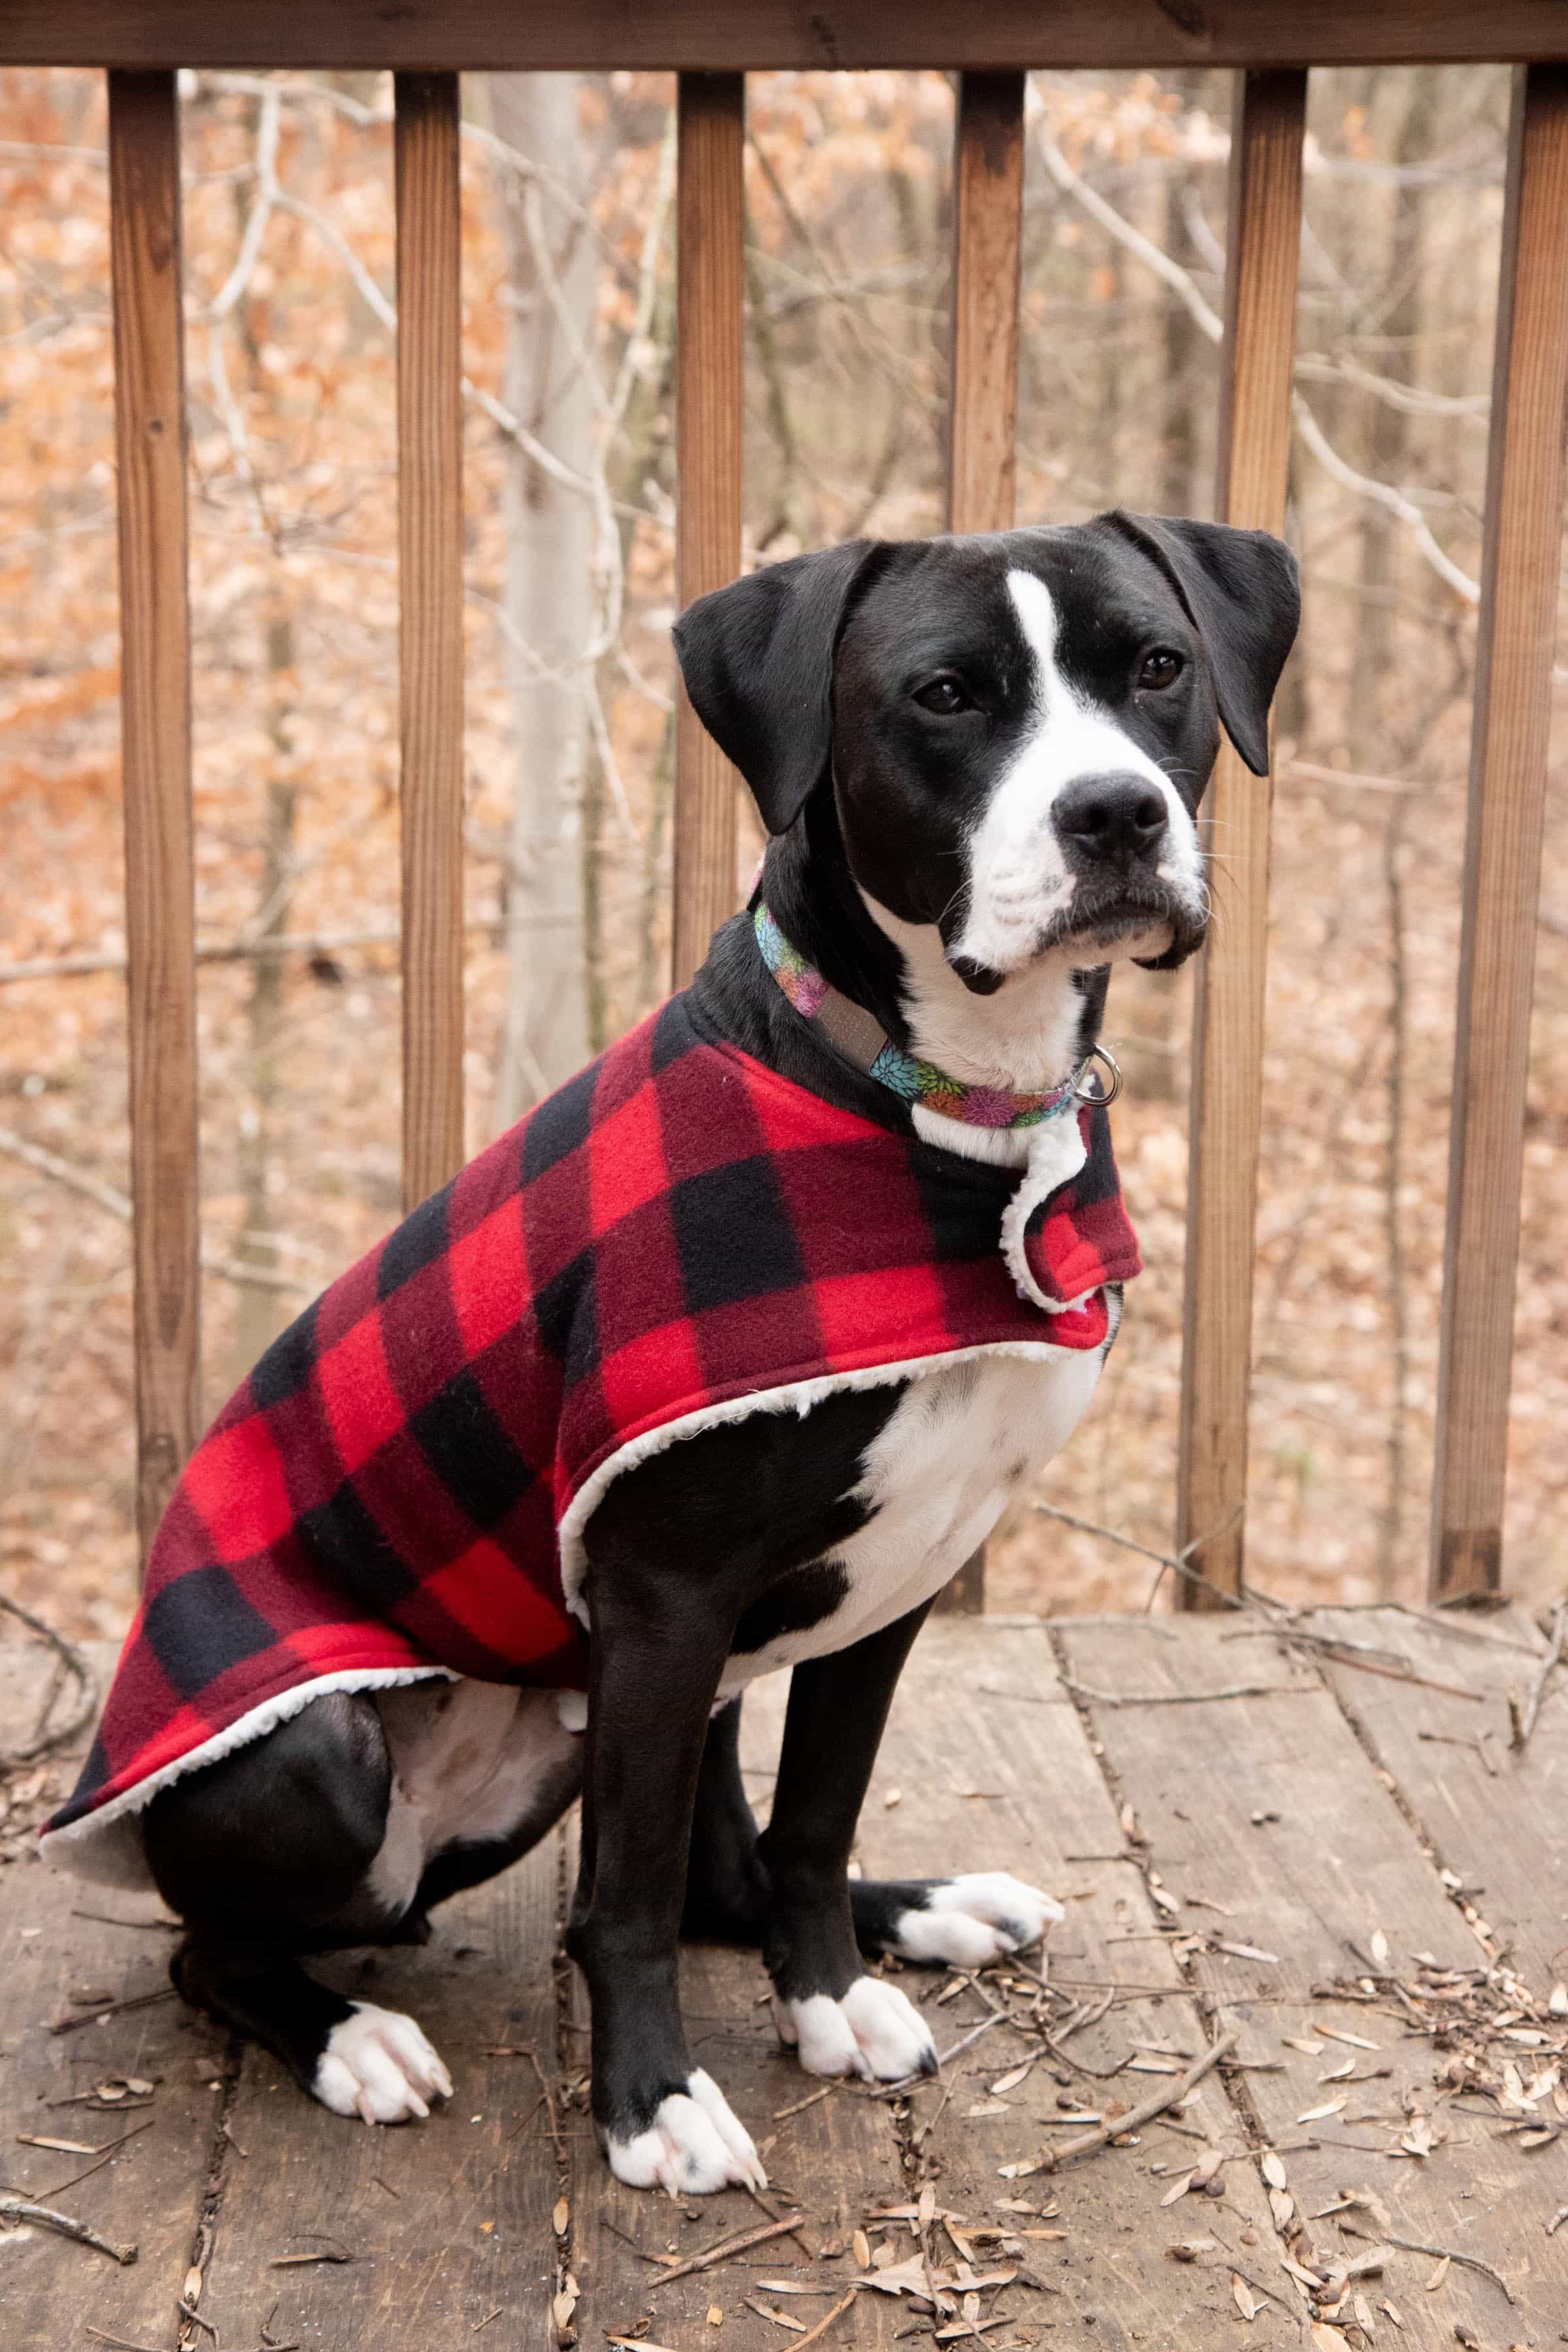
<point x="1117" y="821"/>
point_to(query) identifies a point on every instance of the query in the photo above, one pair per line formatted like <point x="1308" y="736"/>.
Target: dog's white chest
<point x="938" y="1478"/>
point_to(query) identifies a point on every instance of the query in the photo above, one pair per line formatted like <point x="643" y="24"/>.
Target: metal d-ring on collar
<point x="1099" y="1054"/>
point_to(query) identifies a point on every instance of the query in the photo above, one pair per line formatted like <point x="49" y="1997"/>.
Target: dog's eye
<point x="1161" y="668"/>
<point x="944" y="697"/>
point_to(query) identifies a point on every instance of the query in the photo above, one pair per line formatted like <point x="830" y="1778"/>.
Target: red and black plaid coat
<point x="399" y="1488"/>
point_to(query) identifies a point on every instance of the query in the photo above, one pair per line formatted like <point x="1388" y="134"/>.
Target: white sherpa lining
<point x="1057" y="1152"/>
<point x="793" y="1396"/>
<point x="119" y="1860"/>
<point x="104" y="1845"/>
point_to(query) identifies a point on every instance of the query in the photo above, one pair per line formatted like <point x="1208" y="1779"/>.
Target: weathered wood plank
<point x="1497" y="1817"/>
<point x="1520" y="569"/>
<point x="430" y="562"/>
<point x="449" y="2220"/>
<point x="680" y="34"/>
<point x="1009" y="1782"/>
<point x="156" y="753"/>
<point x="987" y="232"/>
<point x="149" y="2194"/>
<point x="1225" y="1118"/>
<point x="709" y="424"/>
<point x="1269" y="1824"/>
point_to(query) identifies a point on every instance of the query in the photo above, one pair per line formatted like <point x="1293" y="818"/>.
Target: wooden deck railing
<point x="1271" y="42"/>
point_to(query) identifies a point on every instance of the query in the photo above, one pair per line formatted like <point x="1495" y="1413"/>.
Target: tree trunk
<point x="549" y="593"/>
<point x="259" y="1315"/>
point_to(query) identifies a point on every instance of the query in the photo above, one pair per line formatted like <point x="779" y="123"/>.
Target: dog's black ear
<point x="1242" y="596"/>
<point x="757" y="658"/>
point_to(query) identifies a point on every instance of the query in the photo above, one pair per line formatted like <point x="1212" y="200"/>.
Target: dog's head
<point x="1017" y="729"/>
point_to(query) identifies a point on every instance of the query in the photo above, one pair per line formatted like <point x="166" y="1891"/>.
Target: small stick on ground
<point x="824" y="2324"/>
<point x="1524" y="1721"/>
<point x="20" y="2208"/>
<point x="1439" y="2254"/>
<point x="110" y="2009"/>
<point x="1145" y="2111"/>
<point x="722" y="2252"/>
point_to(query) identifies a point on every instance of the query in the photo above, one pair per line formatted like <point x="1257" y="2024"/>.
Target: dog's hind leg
<point x="959" y="1922"/>
<point x="268" y="1854"/>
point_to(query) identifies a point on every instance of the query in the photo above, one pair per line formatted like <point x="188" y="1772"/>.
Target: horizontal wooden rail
<point x="709" y="391"/>
<point x="1519" y="592"/>
<point x="430" y="567"/>
<point x="1264" y="239"/>
<point x="476" y="36"/>
<point x="156" y="753"/>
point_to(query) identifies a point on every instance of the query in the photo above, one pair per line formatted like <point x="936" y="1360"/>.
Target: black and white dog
<point x="979" y="760"/>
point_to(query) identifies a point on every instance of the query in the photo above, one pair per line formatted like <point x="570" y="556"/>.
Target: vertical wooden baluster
<point x="1263" y="244"/>
<point x="1502" y="856"/>
<point x="709" y="385"/>
<point x="155" y="736"/>
<point x="987" y="238"/>
<point x="982" y="404"/>
<point x="430" y="553"/>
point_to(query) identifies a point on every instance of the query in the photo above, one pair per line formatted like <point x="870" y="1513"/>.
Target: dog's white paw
<point x="875" y="2032"/>
<point x="695" y="2144"/>
<point x="968" y="1921"/>
<point x="378" y="2065"/>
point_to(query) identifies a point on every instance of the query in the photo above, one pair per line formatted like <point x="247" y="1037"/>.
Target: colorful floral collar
<point x="862" y="1039"/>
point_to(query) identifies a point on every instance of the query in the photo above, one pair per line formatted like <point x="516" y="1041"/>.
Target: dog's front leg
<point x="841" y="2020"/>
<point x="662" y="2121"/>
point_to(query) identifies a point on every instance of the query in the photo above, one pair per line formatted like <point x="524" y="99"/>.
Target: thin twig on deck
<point x="21" y="2209"/>
<point x="726" y="2247"/>
<point x="1144" y="2112"/>
<point x="1524" y="1721"/>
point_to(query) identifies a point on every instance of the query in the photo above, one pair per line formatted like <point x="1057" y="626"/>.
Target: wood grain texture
<point x="1521" y="557"/>
<point x="156" y="752"/>
<point x="685" y="34"/>
<point x="1225" y="1116"/>
<point x="430" y="554"/>
<point x="1270" y="1826"/>
<point x="987" y="224"/>
<point x="149" y="2194"/>
<point x="448" y="2220"/>
<point x="971" y="1767"/>
<point x="709" y="385"/>
<point x="1497" y="1816"/>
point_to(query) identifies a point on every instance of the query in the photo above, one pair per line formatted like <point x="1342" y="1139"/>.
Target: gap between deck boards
<point x="1322" y="1807"/>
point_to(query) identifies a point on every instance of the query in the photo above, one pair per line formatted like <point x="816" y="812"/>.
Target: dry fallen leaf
<point x="1282" y="2205"/>
<point x="1329" y="2107"/>
<point x="1439" y="2274"/>
<point x="1338" y="2033"/>
<point x="1386" y="2307"/>
<point x="1299" y="2041"/>
<point x="1010" y="2081"/>
<point x="560" y="2216"/>
<point x="1273" y="2170"/>
<point x="1379" y="1947"/>
<point x="715" y="2314"/>
<point x="1246" y="2302"/>
<point x="1173" y="2196"/>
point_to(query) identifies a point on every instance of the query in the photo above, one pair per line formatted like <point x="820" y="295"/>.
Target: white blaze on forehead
<point x="1018" y="879"/>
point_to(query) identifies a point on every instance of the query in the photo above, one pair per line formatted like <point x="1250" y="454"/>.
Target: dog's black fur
<point x="872" y="697"/>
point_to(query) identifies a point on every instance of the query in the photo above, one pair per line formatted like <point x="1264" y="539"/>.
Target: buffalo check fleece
<point x="678" y="1236"/>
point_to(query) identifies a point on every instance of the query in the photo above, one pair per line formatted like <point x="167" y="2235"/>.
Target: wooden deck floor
<point x="1342" y="1868"/>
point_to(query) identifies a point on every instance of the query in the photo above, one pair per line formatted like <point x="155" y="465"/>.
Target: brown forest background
<point x="567" y="323"/>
